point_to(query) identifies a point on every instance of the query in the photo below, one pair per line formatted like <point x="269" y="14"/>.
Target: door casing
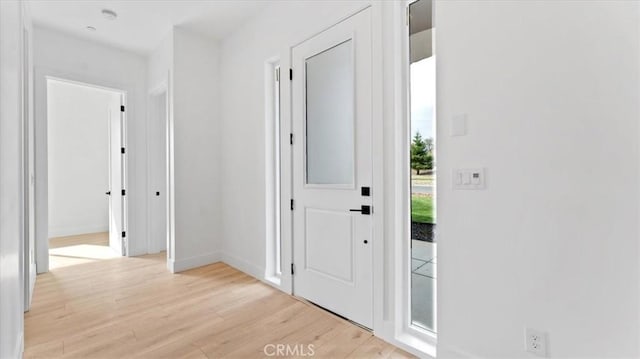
<point x="42" y="75"/>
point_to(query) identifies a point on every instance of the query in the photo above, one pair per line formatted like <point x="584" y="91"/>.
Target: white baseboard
<point x="243" y="266"/>
<point x="179" y="265"/>
<point x="250" y="269"/>
<point x="72" y="231"/>
<point x="452" y="352"/>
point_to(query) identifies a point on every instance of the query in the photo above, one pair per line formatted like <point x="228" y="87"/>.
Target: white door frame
<point x="161" y="89"/>
<point x="403" y="267"/>
<point x="42" y="75"/>
<point x="406" y="334"/>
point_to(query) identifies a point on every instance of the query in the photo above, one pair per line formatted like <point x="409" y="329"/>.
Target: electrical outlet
<point x="535" y="342"/>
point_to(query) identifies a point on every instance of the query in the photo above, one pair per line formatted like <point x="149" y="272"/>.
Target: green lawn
<point x="422" y="209"/>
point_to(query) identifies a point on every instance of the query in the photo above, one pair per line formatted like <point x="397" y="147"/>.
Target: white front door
<point x="332" y="169"/>
<point x="117" y="190"/>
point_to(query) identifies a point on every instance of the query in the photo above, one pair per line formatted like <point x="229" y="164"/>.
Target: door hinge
<point x="124" y="192"/>
<point x="124" y="234"/>
<point x="291" y="138"/>
<point x="292" y="206"/>
<point x="122" y="108"/>
<point x="293" y="269"/>
<point x="278" y="74"/>
<point x="122" y="150"/>
<point x="290" y="74"/>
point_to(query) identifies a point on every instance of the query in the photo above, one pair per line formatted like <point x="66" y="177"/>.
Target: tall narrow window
<point x="423" y="165"/>
<point x="272" y="160"/>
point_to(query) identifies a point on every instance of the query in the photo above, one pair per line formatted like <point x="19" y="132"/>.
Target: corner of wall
<point x="244" y="266"/>
<point x="181" y="265"/>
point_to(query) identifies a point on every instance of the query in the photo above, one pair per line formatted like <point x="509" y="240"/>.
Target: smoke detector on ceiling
<point x="109" y="14"/>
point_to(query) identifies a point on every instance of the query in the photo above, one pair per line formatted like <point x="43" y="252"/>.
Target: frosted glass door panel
<point x="330" y="116"/>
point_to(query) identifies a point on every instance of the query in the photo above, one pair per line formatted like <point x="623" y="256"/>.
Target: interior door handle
<point x="108" y="193"/>
<point x="366" y="210"/>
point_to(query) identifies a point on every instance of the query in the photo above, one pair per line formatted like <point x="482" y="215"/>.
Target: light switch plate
<point x="459" y="125"/>
<point x="469" y="178"/>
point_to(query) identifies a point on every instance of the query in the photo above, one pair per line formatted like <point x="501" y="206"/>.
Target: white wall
<point x="195" y="142"/>
<point x="551" y="93"/>
<point x="60" y="55"/>
<point x="160" y="63"/>
<point x="78" y="120"/>
<point x="11" y="206"/>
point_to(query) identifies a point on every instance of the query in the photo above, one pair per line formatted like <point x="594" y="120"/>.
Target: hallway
<point x="134" y="307"/>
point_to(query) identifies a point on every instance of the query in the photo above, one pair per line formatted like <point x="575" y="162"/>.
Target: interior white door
<point x="158" y="146"/>
<point x="332" y="169"/>
<point x="117" y="191"/>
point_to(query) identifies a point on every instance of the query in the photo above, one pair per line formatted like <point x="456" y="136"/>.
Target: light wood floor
<point x="97" y="239"/>
<point x="133" y="307"/>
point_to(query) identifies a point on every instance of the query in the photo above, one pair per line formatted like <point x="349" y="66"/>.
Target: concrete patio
<point x="423" y="283"/>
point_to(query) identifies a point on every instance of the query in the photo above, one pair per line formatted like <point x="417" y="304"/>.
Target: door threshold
<point x="308" y="302"/>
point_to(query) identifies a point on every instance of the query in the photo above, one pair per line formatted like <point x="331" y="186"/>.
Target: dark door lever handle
<point x="108" y="193"/>
<point x="366" y="210"/>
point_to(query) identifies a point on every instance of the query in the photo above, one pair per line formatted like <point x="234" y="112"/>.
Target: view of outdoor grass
<point x="422" y="208"/>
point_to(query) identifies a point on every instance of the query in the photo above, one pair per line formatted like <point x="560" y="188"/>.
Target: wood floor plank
<point x="134" y="308"/>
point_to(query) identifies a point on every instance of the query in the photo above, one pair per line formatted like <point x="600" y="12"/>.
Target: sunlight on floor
<point x="80" y="249"/>
<point x="79" y="254"/>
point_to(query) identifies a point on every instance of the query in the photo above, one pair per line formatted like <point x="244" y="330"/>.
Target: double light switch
<point x="469" y="178"/>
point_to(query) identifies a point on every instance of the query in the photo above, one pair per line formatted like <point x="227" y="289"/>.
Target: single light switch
<point x="459" y="125"/>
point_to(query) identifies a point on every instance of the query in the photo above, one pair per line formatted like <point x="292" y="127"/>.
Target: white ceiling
<point x="142" y="24"/>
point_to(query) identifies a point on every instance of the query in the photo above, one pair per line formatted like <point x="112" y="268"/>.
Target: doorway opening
<point x="422" y="96"/>
<point x="86" y="173"/>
